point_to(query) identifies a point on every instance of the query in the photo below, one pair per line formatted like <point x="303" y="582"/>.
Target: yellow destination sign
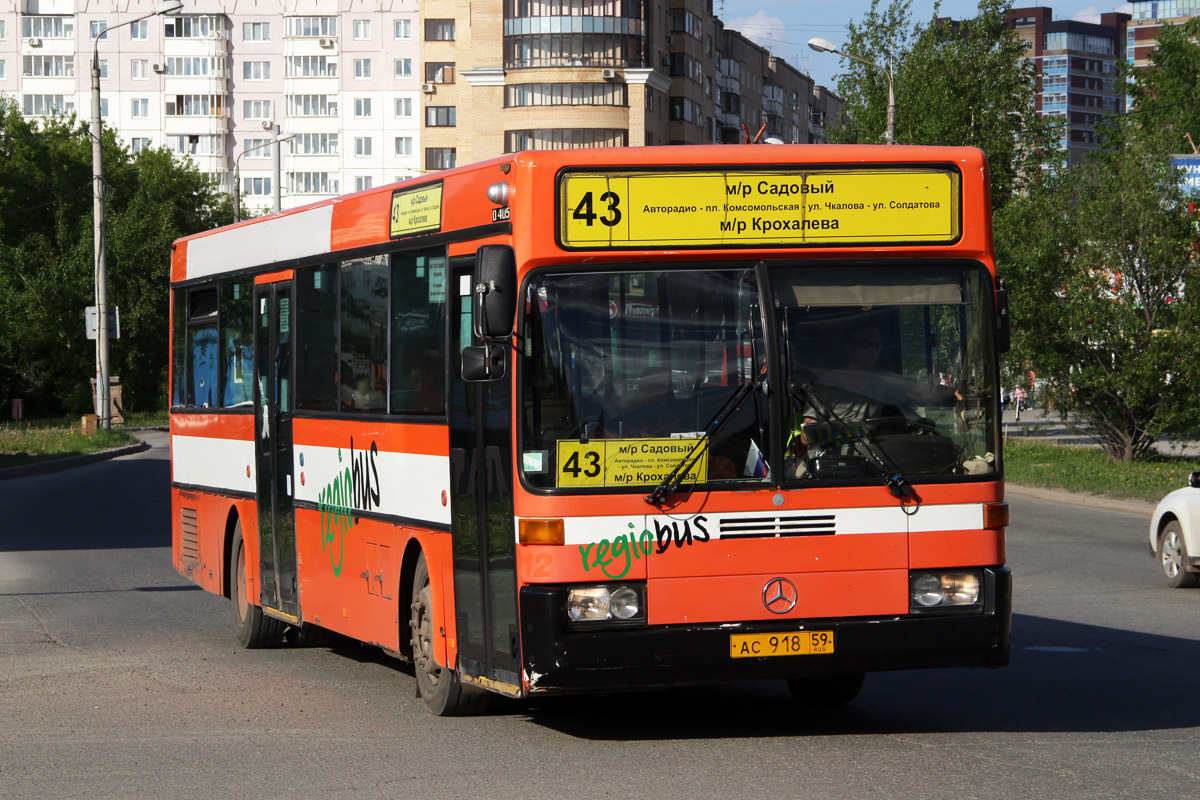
<point x="626" y="462"/>
<point x="417" y="210"/>
<point x="748" y="208"/>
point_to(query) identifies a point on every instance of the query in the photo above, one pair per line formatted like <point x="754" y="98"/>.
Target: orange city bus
<point x="581" y="421"/>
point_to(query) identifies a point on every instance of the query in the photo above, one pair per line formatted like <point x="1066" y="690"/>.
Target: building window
<point x="140" y="29"/>
<point x="196" y="66"/>
<point x="312" y="183"/>
<point x="195" y="27"/>
<point x="139" y="69"/>
<point x="256" y="187"/>
<point x="362" y="68"/>
<point x="139" y="143"/>
<point x="256" y="70"/>
<point x="404" y="107"/>
<point x="196" y="105"/>
<point x="306" y="27"/>
<point x="362" y="107"/>
<point x="99" y="29"/>
<point x="439" y="157"/>
<point x="574" y="49"/>
<point x="403" y="29"/>
<point x="403" y="67"/>
<point x="3" y="30"/>
<point x="140" y="108"/>
<point x="256" y="148"/>
<point x="311" y="67"/>
<point x="197" y="145"/>
<point x="404" y="145"/>
<point x="564" y="138"/>
<point x="256" y="31"/>
<point x="439" y="30"/>
<point x="48" y="27"/>
<point x="256" y="109"/>
<point x="314" y="144"/>
<point x="44" y="105"/>
<point x="48" y="66"/>
<point x="439" y="72"/>
<point x="362" y="183"/>
<point x="440" y="116"/>
<point x="565" y="94"/>
<point x="362" y="145"/>
<point x="312" y="105"/>
<point x="684" y="109"/>
<point x="362" y="29"/>
<point x="1" y="69"/>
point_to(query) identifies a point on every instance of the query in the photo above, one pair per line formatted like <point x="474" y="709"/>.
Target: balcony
<point x="184" y="124"/>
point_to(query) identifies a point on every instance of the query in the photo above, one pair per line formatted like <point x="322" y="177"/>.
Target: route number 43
<point x="585" y="212"/>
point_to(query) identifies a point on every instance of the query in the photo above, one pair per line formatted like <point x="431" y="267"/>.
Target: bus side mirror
<point x="1003" y="326"/>
<point x="495" y="291"/>
<point x="485" y="362"/>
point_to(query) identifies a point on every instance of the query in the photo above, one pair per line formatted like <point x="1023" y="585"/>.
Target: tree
<point x="47" y="259"/>
<point x="1104" y="303"/>
<point x="1164" y="93"/>
<point x="956" y="82"/>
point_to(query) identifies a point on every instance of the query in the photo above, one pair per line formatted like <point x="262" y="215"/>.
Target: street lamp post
<point x="826" y="46"/>
<point x="237" y="173"/>
<point x="103" y="407"/>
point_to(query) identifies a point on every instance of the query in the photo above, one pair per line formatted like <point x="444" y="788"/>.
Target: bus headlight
<point x="606" y="602"/>
<point x="944" y="591"/>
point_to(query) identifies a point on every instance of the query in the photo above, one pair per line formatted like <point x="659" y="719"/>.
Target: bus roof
<point x="459" y="198"/>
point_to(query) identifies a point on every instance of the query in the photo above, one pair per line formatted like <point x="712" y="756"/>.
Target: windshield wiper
<point x="859" y="435"/>
<point x="670" y="484"/>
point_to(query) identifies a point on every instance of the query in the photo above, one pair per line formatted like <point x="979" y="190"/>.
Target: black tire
<point x="1173" y="557"/>
<point x="440" y="688"/>
<point x="254" y="628"/>
<point x="827" y="691"/>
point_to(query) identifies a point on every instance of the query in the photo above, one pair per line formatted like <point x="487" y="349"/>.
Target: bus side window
<point x="237" y="344"/>
<point x="202" y="348"/>
<point x="418" y="332"/>
<point x="317" y="338"/>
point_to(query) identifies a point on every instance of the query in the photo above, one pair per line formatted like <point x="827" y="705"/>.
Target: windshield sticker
<point x="626" y="462"/>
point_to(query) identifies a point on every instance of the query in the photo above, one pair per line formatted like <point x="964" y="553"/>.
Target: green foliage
<point x="47" y="260"/>
<point x="1087" y="470"/>
<point x="22" y="443"/>
<point x="1164" y="93"/>
<point x="956" y="83"/>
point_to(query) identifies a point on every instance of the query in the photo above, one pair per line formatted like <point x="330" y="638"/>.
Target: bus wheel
<point x="440" y="688"/>
<point x="827" y="691"/>
<point x="254" y="628"/>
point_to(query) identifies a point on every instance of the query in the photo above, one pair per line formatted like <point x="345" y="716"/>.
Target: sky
<point x="785" y="26"/>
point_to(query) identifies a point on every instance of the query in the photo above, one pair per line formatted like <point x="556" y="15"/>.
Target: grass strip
<point x="22" y="443"/>
<point x="1085" y="469"/>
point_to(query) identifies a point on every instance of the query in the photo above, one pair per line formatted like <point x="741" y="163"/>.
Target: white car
<point x="1175" y="535"/>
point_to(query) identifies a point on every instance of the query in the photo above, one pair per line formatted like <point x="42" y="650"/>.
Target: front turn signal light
<point x="541" y="531"/>
<point x="995" y="515"/>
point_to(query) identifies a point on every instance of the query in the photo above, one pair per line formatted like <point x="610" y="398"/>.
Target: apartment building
<point x="1148" y="17"/>
<point x="1076" y="64"/>
<point x="367" y="92"/>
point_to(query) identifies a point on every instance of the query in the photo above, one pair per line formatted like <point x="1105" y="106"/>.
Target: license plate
<point x="761" y="645"/>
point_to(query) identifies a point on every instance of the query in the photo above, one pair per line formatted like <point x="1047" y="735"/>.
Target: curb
<point x="1139" y="507"/>
<point x="70" y="462"/>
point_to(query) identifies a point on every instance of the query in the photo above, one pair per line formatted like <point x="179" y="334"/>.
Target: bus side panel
<point x="200" y="522"/>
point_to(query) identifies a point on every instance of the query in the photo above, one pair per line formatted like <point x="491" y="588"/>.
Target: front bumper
<point x="557" y="659"/>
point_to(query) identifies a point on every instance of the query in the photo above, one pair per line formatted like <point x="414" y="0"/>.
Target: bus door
<point x="485" y="581"/>
<point x="273" y="436"/>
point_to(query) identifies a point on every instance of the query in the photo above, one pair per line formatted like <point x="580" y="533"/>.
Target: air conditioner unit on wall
<point x="34" y="42"/>
<point x="159" y="68"/>
<point x="267" y="124"/>
<point x="670" y="40"/>
<point x="325" y="42"/>
<point x="608" y="74"/>
<point x="427" y="88"/>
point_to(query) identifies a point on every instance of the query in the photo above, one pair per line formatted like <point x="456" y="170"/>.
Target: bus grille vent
<point x="771" y="527"/>
<point x="190" y="535"/>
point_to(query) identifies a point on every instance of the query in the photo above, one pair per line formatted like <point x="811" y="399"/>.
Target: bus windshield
<point x="623" y="371"/>
<point x="888" y="368"/>
<point x="884" y="370"/>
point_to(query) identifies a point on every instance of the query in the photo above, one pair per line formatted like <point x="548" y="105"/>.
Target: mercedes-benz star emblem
<point x="780" y="595"/>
